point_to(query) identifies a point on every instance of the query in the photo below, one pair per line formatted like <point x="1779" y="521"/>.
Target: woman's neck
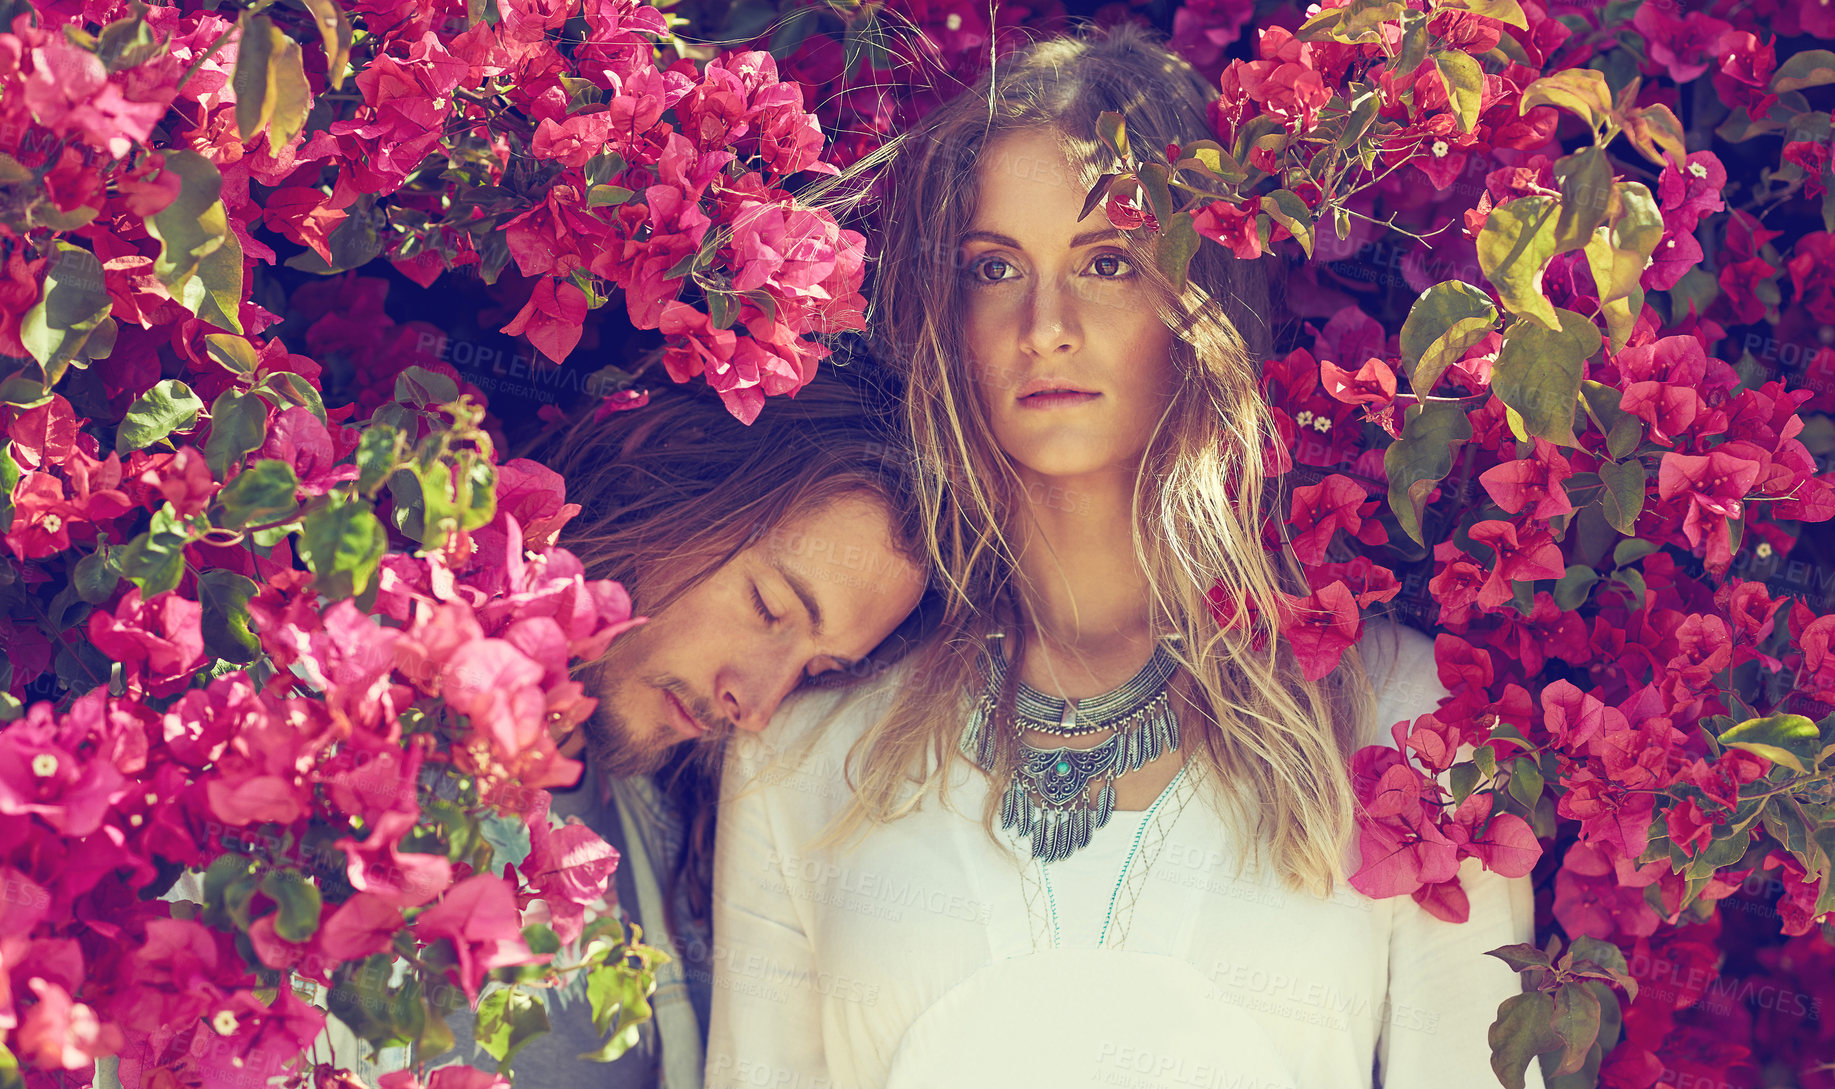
<point x="1084" y="593"/>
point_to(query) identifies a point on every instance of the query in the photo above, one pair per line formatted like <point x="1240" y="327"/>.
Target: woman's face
<point x="1067" y="353"/>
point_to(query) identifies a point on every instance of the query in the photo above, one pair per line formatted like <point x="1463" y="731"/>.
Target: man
<point x="765" y="557"/>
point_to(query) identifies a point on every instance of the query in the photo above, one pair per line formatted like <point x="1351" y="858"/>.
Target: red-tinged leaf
<point x="43" y="435"/>
<point x="1523" y="1029"/>
<point x="1521" y="957"/>
<point x="1576" y="1022"/>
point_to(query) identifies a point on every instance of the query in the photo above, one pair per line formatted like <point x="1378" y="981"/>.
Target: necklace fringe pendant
<point x="1059" y="796"/>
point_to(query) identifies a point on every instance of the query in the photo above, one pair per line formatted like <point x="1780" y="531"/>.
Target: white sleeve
<point x="766" y="1024"/>
<point x="1443" y="990"/>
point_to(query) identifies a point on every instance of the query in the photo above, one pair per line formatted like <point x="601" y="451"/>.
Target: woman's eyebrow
<point x="1101" y="234"/>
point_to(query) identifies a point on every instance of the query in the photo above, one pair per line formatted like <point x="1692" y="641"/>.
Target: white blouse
<point x="928" y="954"/>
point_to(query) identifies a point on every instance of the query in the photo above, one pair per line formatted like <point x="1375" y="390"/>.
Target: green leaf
<point x="508" y="1019"/>
<point x="335" y="31"/>
<point x="1537" y="372"/>
<point x="264" y="492"/>
<point x="1463" y="779"/>
<point x="1582" y="92"/>
<point x="1409" y="55"/>
<point x="1585" y="181"/>
<point x="1522" y="1031"/>
<point x="9" y="479"/>
<point x="1623" y="498"/>
<point x="1442" y="325"/>
<point x="155" y="560"/>
<point x="224" y="596"/>
<point x="1112" y="130"/>
<point x="250" y="79"/>
<point x="1514" y="249"/>
<point x="1173" y="249"/>
<point x="361" y="996"/>
<point x="1465" y="85"/>
<point x="1526" y="778"/>
<point x="1158" y="193"/>
<point x="1790" y="740"/>
<point x="1508" y="11"/>
<point x="1656" y="133"/>
<point x="1810" y="68"/>
<point x="169" y="406"/>
<point x="1287" y="208"/>
<point x="288" y="388"/>
<point x="234" y="353"/>
<point x="95" y="577"/>
<point x="1421" y="458"/>
<point x="603" y="196"/>
<point x="73" y="305"/>
<point x="1576" y="1022"/>
<point x="1572" y="588"/>
<point x="616" y="990"/>
<point x="343" y="544"/>
<point x="200" y="260"/>
<point x="299" y="903"/>
<point x="379" y="453"/>
<point x="1521" y="958"/>
<point x="1356" y="21"/>
<point x="238" y="426"/>
<point x="1617" y="258"/>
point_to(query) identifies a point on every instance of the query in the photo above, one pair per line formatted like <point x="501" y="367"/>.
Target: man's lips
<point x="684" y="722"/>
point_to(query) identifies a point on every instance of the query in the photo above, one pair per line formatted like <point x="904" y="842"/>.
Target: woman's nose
<point x="1052" y="324"/>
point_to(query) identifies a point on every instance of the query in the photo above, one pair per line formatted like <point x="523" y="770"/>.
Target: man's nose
<point x="749" y="694"/>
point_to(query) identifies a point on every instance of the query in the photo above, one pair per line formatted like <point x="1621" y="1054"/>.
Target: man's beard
<point x="613" y="750"/>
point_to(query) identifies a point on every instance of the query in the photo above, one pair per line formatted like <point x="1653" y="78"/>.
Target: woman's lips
<point x="1057" y="399"/>
<point x="685" y="724"/>
<point x="1051" y="386"/>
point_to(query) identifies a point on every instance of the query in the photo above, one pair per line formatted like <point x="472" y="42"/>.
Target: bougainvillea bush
<point x="281" y="623"/>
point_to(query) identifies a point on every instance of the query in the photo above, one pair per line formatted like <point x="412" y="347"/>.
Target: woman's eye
<point x="990" y="270"/>
<point x="1111" y="265"/>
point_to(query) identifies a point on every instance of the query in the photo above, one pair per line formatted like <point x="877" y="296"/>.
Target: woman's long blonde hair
<point x="1277" y="743"/>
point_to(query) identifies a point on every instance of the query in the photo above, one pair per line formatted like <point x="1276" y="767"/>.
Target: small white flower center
<point x="224" y="1022"/>
<point x="1322" y="424"/>
<point x="1698" y="170"/>
<point x="1305" y="418"/>
<point x="53" y="523"/>
<point x="44" y="764"/>
<point x="1763" y="550"/>
<point x="1440" y="149"/>
<point x="954" y="22"/>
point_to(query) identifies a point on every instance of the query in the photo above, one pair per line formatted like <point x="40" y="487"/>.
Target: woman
<point x="1093" y="832"/>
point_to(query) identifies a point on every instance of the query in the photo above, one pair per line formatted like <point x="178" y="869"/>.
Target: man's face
<point x="816" y="595"/>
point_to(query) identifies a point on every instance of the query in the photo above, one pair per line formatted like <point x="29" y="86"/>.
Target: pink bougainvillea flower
<point x="1685" y="46"/>
<point x="569" y="867"/>
<point x="552" y="318"/>
<point x="478" y="916"/>
<point x="1714" y="488"/>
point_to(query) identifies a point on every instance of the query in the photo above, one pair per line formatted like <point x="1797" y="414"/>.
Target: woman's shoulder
<point x="1403" y="676"/>
<point x="815" y="727"/>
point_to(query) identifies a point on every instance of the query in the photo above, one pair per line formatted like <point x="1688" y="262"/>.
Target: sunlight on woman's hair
<point x="1203" y="501"/>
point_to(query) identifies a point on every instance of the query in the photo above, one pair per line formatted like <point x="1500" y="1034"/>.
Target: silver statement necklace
<point x="1060" y="796"/>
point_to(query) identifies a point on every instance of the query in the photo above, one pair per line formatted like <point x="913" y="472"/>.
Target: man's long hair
<point x="674" y="489"/>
